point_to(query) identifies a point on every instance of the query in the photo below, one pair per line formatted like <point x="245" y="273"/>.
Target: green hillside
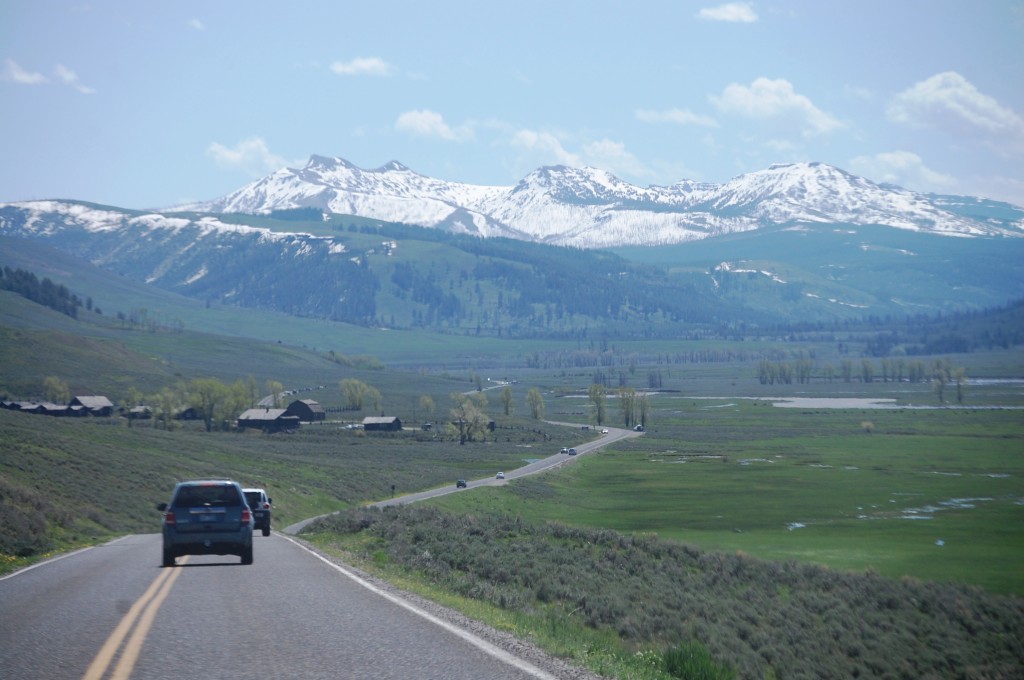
<point x="375" y="275"/>
<point x="842" y="272"/>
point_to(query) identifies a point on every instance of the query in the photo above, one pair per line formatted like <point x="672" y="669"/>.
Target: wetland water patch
<point x="928" y="511"/>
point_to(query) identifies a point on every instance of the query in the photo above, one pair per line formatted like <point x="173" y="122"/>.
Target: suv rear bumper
<point x="209" y="542"/>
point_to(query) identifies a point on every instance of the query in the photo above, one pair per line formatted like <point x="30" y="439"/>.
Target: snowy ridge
<point x="53" y="218"/>
<point x="816" y="192"/>
<point x="579" y="207"/>
<point x="392" y="193"/>
<point x="591" y="208"/>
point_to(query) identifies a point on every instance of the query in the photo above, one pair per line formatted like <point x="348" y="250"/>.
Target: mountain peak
<point x="393" y="166"/>
<point x="317" y="162"/>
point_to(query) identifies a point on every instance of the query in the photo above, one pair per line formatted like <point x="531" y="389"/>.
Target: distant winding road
<point x="553" y="461"/>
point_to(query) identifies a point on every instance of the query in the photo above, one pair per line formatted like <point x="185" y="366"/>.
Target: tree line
<point x="940" y="372"/>
<point x="44" y="291"/>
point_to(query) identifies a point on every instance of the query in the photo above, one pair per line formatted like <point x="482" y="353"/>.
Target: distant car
<point x="259" y="503"/>
<point x="638" y="428"/>
<point x="604" y="431"/>
<point x="565" y="449"/>
<point x="500" y="475"/>
<point x="572" y="452"/>
<point x="206" y="517"/>
<point x="461" y="484"/>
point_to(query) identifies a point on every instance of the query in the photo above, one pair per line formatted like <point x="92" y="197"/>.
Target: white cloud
<point x="197" y="24"/>
<point x="363" y="66"/>
<point x="733" y="11"/>
<point x="69" y="77"/>
<point x="613" y="157"/>
<point x="949" y="102"/>
<point x="677" y="116"/>
<point x="766" y="99"/>
<point x="426" y="123"/>
<point x="251" y="156"/>
<point x="783" y="147"/>
<point x="547" y="146"/>
<point x="521" y="77"/>
<point x="16" y="74"/>
<point x="904" y="168"/>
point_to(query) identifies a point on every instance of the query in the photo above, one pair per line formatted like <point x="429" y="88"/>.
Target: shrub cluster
<point x="25" y="515"/>
<point x="756" y="617"/>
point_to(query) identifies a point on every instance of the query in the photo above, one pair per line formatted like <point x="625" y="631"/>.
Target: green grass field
<point x="936" y="494"/>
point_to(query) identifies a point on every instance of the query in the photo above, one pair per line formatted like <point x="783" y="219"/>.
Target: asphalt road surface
<point x="113" y="612"/>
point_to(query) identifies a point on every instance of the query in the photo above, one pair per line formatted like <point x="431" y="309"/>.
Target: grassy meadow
<point x="931" y="493"/>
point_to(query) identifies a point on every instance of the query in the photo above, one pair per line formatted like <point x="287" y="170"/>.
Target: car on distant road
<point x="259" y="503"/>
<point x="206" y="517"/>
<point x="572" y="452"/>
<point x="565" y="449"/>
<point x="604" y="431"/>
<point x="500" y="475"/>
<point x="461" y="484"/>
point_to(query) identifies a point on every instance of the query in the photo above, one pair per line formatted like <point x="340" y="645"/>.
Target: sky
<point x="148" y="105"/>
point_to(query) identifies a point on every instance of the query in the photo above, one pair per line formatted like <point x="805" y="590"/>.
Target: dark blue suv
<point x="207" y="517"/>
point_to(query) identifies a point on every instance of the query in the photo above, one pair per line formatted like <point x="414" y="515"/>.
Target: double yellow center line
<point x="142" y="613"/>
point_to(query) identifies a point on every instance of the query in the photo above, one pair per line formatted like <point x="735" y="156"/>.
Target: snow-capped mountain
<point x="392" y="193"/>
<point x="591" y="208"/>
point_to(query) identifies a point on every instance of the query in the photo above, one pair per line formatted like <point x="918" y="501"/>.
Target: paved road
<point x="112" y="612"/>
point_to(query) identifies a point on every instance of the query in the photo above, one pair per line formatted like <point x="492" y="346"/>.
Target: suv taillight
<point x="266" y="506"/>
<point x="169" y="517"/>
<point x="246" y="517"/>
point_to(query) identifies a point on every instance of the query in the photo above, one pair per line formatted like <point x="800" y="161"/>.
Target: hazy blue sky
<point x="145" y="104"/>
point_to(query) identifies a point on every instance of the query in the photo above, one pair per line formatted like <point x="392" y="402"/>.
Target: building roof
<point x="93" y="402"/>
<point x="313" y="406"/>
<point x="262" y="414"/>
<point x="379" y="420"/>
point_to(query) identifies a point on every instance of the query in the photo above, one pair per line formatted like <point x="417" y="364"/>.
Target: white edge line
<point x="57" y="558"/>
<point x="478" y="642"/>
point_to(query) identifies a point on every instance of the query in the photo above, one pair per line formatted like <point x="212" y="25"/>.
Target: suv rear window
<point x="207" y="494"/>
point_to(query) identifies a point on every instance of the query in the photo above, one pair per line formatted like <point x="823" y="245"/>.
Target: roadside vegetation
<point x="638" y="606"/>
